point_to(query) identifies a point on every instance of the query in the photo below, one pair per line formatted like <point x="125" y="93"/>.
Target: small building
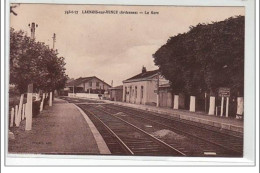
<point x="142" y="88"/>
<point x="91" y="85"/>
<point x="116" y="93"/>
<point x="166" y="96"/>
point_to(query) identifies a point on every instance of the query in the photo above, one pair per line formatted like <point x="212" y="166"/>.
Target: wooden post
<point x="123" y="99"/>
<point x="169" y="99"/>
<point x="211" y="105"/>
<point x="240" y="107"/>
<point x="50" y="100"/>
<point x="216" y="111"/>
<point x="222" y="105"/>
<point x="28" y="124"/>
<point x="227" y="104"/>
<point x="23" y="112"/>
<point x="12" y="118"/>
<point x="192" y="103"/>
<point x="176" y="102"/>
<point x="20" y="109"/>
<point x="16" y="120"/>
<point x="157" y="100"/>
<point x="42" y="102"/>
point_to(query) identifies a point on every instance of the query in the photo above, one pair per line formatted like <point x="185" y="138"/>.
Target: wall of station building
<point x="140" y="92"/>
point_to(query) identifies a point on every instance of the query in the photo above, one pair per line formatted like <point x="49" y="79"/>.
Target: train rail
<point x="124" y="138"/>
<point x="213" y="140"/>
<point x="199" y="140"/>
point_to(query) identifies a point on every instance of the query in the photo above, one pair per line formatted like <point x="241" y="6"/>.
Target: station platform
<point x="223" y="122"/>
<point x="59" y="129"/>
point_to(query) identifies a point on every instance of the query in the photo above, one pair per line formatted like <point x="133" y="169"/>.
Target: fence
<point x="231" y="107"/>
<point x="84" y="95"/>
<point x="19" y="112"/>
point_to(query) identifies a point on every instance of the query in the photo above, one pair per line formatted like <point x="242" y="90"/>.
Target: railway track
<point x="124" y="138"/>
<point x="199" y="140"/>
<point x="207" y="138"/>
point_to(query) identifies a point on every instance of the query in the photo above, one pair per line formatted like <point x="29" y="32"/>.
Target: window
<point x="97" y="84"/>
<point x="135" y="91"/>
<point x="142" y="91"/>
<point x="90" y="84"/>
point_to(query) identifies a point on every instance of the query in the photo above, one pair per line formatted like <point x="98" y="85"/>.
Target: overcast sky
<point x="112" y="46"/>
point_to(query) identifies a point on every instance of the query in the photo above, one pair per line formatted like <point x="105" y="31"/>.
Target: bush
<point x="36" y="108"/>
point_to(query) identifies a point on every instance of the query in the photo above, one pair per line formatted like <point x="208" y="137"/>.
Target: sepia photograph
<point x="126" y="80"/>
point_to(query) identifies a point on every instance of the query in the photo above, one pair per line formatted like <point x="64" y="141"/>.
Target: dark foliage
<point x="205" y="58"/>
<point x="34" y="62"/>
<point x="36" y="108"/>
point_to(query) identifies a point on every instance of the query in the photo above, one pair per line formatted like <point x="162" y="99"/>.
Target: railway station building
<point x="143" y="87"/>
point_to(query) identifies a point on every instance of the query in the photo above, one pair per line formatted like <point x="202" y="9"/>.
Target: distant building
<point x="116" y="93"/>
<point x="88" y="85"/>
<point x="70" y="79"/>
<point x="142" y="88"/>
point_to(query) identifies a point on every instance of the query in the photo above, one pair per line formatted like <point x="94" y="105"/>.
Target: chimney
<point x="143" y="69"/>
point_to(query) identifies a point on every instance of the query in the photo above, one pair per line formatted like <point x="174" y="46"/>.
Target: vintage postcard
<point x="126" y="80"/>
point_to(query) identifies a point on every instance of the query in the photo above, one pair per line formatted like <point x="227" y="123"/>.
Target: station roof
<point x="143" y="75"/>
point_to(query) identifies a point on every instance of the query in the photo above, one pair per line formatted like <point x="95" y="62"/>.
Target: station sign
<point x="224" y="92"/>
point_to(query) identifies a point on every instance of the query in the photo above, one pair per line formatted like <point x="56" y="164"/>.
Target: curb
<point x="102" y="146"/>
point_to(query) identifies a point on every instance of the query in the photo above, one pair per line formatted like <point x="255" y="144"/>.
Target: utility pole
<point x="28" y="125"/>
<point x="53" y="41"/>
<point x="33" y="26"/>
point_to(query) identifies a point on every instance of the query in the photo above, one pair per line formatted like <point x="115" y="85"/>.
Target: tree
<point x="33" y="62"/>
<point x="205" y="58"/>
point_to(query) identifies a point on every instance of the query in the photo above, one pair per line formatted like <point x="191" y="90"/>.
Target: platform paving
<point x="200" y="117"/>
<point x="60" y="129"/>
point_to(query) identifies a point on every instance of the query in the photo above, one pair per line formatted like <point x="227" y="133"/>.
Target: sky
<point x="112" y="46"/>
